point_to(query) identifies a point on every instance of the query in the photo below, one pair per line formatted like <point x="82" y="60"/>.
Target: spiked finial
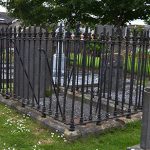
<point x="77" y="33"/>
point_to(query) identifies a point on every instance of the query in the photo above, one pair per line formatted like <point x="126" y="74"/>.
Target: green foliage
<point x="138" y="62"/>
<point x="89" y="60"/>
<point x="119" y="12"/>
<point x="147" y="21"/>
<point x="88" y="12"/>
<point x="48" y="92"/>
<point x="94" y="61"/>
<point x="95" y="47"/>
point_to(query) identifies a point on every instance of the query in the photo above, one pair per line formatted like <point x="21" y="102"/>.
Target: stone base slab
<point x="137" y="147"/>
<point x="80" y="130"/>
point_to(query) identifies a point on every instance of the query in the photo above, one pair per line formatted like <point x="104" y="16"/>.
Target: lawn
<point x="19" y="132"/>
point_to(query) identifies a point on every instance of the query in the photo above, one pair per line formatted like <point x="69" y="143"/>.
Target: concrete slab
<point x="57" y="125"/>
<point x="136" y="147"/>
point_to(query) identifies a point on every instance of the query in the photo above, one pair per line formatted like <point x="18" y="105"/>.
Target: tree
<point x="71" y="11"/>
<point x="30" y="12"/>
<point x="50" y="11"/>
<point x="122" y="11"/>
<point x="147" y="20"/>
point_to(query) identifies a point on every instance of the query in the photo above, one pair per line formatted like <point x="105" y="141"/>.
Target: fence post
<point x="145" y="135"/>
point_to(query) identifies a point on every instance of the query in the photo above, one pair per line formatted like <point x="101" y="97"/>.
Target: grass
<point x="96" y="63"/>
<point x="10" y="56"/>
<point x="89" y="60"/>
<point x="138" y="62"/>
<point x="18" y="132"/>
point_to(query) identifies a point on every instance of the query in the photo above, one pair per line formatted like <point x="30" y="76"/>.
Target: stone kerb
<point x="145" y="134"/>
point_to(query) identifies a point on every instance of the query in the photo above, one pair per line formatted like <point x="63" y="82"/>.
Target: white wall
<point x="2" y="9"/>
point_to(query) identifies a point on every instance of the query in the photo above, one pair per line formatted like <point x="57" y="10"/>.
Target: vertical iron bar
<point x="99" y="67"/>
<point x="7" y="62"/>
<point x="99" y="103"/>
<point x="125" y="69"/>
<point x="112" y="40"/>
<point x="51" y="53"/>
<point x="34" y="51"/>
<point x="72" y="126"/>
<point x="138" y="57"/>
<point x="29" y="49"/>
<point x="78" y="64"/>
<point x="39" y="69"/>
<point x="132" y="73"/>
<point x="87" y="65"/>
<point x="67" y="54"/>
<point x="83" y="80"/>
<point x="19" y="66"/>
<point x="142" y="70"/>
<point x="59" y="73"/>
<point x="3" y="61"/>
<point x="45" y="73"/>
<point x="15" y="64"/>
<point x="23" y="59"/>
<point x="93" y="70"/>
<point x="76" y="40"/>
<point x="106" y="65"/>
<point x="11" y="63"/>
<point x="118" y="70"/>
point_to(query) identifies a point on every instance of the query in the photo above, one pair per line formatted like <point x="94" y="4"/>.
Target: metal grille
<point x="77" y="78"/>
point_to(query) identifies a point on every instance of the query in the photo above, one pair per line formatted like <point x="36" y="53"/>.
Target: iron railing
<point x="75" y="78"/>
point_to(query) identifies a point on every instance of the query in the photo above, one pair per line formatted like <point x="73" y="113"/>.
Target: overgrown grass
<point x="90" y="62"/>
<point x="8" y="57"/>
<point x="95" y="62"/>
<point x="18" y="132"/>
<point x="138" y="64"/>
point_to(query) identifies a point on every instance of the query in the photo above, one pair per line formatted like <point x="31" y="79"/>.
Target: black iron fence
<point x="75" y="77"/>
